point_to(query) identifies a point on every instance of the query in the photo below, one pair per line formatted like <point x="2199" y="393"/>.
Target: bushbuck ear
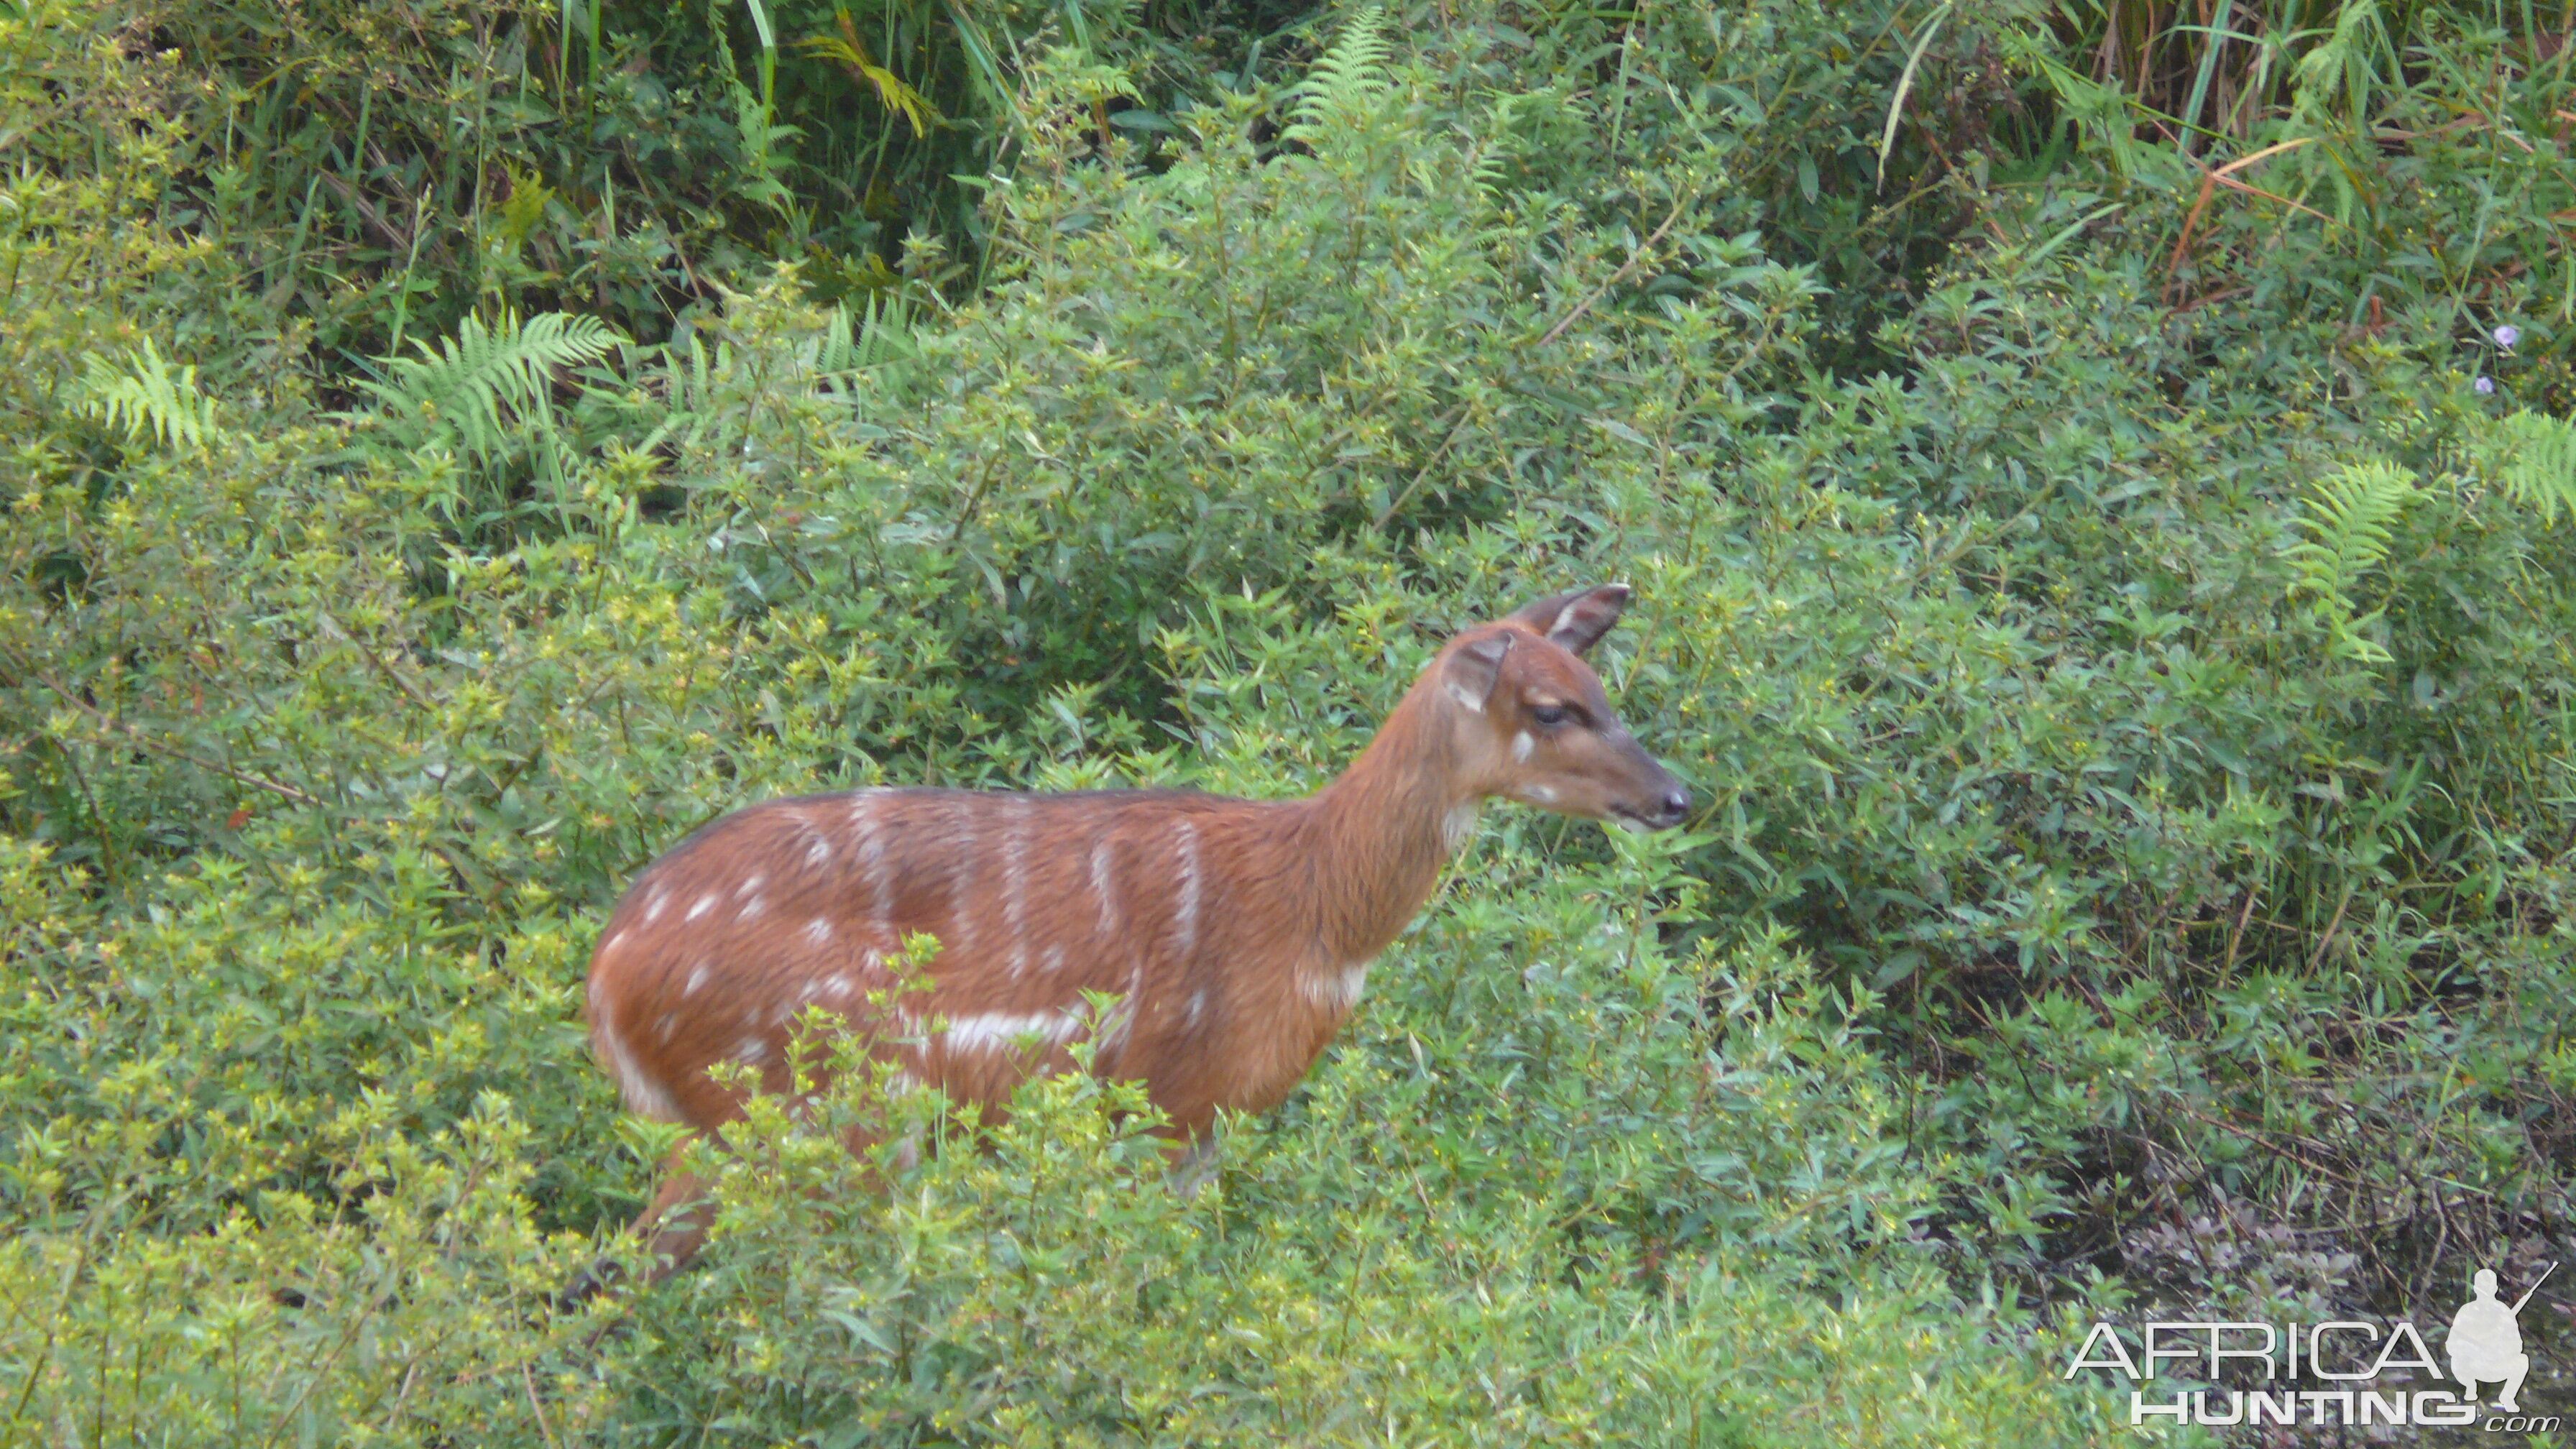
<point x="1473" y="668"/>
<point x="1576" y="621"/>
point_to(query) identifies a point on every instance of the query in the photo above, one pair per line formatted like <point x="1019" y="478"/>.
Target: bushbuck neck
<point x="1236" y="935"/>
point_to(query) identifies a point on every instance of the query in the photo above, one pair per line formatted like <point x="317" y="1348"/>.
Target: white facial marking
<point x="994" y="1029"/>
<point x="1185" y="913"/>
<point x="697" y="978"/>
<point x="1522" y="744"/>
<point x="818" y="931"/>
<point x="705" y="904"/>
<point x="1538" y="794"/>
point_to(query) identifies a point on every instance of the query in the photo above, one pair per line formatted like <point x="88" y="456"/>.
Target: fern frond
<point x="873" y="336"/>
<point x="2347" y="525"/>
<point x="148" y="397"/>
<point x="1343" y="79"/>
<point x="473" y="385"/>
<point x="2536" y="462"/>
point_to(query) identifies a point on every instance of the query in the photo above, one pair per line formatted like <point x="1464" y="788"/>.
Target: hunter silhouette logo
<point x="2485" y="1343"/>
<point x="2345" y="1371"/>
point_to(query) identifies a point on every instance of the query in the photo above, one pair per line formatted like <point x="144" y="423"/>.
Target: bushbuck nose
<point x="1676" y="805"/>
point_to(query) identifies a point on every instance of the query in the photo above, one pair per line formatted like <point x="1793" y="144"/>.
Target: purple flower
<point x="2484" y="385"/>
<point x="2508" y="335"/>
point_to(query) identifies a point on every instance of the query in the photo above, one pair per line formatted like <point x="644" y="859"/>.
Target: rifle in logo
<point x="2485" y="1343"/>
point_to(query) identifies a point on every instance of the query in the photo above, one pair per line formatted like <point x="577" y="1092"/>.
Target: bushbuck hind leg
<point x="674" y="1225"/>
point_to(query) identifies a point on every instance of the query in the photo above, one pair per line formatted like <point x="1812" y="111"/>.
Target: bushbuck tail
<point x="1236" y="934"/>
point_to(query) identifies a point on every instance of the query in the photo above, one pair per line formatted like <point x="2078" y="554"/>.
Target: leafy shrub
<point x="2130" y="714"/>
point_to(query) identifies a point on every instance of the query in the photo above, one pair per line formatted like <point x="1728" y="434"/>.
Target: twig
<point x="1620" y="275"/>
<point x="145" y="741"/>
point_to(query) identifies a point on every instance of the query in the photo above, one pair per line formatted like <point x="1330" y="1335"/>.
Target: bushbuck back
<point x="1237" y="934"/>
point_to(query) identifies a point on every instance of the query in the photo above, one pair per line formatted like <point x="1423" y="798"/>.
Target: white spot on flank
<point x="663" y="1029"/>
<point x="989" y="1030"/>
<point x="838" y="988"/>
<point x="1456" y="826"/>
<point x="615" y="940"/>
<point x="752" y="1051"/>
<point x="1538" y="794"/>
<point x="1054" y="961"/>
<point x="819" y="931"/>
<point x="1198" y="1005"/>
<point x="653" y="907"/>
<point x="819" y="852"/>
<point x="747" y="887"/>
<point x="1185" y="914"/>
<point x="705" y="904"/>
<point x="697" y="978"/>
<point x="751" y="1016"/>
<point x="751" y="908"/>
<point x="597" y="993"/>
<point x="643" y="1095"/>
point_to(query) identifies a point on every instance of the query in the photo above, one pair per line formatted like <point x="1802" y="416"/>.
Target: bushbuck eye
<point x="1548" y="714"/>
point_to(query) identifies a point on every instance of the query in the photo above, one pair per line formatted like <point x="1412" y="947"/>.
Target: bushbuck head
<point x="1535" y="726"/>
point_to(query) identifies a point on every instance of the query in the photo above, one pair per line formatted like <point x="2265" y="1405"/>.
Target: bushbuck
<point x="1236" y="935"/>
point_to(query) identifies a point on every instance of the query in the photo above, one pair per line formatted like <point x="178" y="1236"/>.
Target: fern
<point x="2347" y="527"/>
<point x="471" y="387"/>
<point x="2535" y="457"/>
<point x="1344" y="79"/>
<point x="149" y="397"/>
